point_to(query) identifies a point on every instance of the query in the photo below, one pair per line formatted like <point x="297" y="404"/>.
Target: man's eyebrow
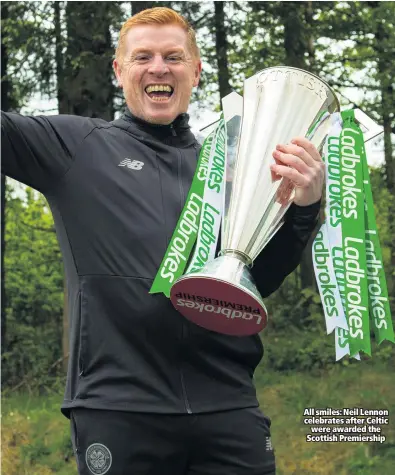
<point x="139" y="51"/>
<point x="172" y="50"/>
<point x="175" y="50"/>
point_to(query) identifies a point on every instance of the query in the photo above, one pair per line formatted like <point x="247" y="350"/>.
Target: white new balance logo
<point x="269" y="445"/>
<point x="133" y="164"/>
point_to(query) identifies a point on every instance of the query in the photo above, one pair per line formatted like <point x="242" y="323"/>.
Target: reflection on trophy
<point x="279" y="104"/>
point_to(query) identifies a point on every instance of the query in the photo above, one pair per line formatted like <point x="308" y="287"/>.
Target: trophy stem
<point x="242" y="256"/>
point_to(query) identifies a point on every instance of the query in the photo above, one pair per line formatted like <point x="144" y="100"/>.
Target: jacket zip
<point x="184" y="328"/>
<point x="174" y="133"/>
<point x="181" y="187"/>
<point x="184" y="390"/>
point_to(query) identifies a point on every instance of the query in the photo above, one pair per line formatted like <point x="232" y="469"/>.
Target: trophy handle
<point x="232" y="105"/>
<point x="370" y="128"/>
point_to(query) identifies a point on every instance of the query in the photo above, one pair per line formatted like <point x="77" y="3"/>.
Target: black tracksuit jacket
<point x="129" y="350"/>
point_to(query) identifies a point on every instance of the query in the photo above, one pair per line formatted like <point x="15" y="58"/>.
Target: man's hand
<point x="301" y="166"/>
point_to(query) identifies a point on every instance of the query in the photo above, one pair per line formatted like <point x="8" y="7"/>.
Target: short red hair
<point x="156" y="16"/>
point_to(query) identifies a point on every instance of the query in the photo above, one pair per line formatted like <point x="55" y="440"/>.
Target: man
<point x="147" y="391"/>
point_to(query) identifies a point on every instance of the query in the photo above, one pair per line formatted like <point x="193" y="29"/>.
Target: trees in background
<point x="84" y="71"/>
<point x="5" y="106"/>
<point x="34" y="285"/>
<point x="63" y="51"/>
<point x="221" y="48"/>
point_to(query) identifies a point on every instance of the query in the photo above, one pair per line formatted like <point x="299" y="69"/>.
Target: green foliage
<point x="28" y="36"/>
<point x="384" y="205"/>
<point x="34" y="289"/>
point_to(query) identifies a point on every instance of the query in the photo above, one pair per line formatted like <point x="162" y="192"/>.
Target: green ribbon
<point x="379" y="307"/>
<point x="200" y="217"/>
<point x="353" y="230"/>
<point x="354" y="242"/>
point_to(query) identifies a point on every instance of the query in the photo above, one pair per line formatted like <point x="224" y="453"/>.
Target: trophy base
<point x="221" y="297"/>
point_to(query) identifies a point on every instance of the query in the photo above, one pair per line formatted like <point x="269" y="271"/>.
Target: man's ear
<point x="117" y="71"/>
<point x="198" y="71"/>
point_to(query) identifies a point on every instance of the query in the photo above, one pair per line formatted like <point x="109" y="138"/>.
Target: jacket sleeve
<point x="283" y="252"/>
<point x="38" y="151"/>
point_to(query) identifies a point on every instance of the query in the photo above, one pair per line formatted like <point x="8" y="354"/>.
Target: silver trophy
<point x="279" y="104"/>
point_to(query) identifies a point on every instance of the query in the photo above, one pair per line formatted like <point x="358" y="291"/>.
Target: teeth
<point x="158" y="87"/>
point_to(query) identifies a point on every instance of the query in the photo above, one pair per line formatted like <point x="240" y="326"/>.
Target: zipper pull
<point x="174" y="133"/>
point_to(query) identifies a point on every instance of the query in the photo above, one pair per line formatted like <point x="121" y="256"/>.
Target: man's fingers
<point x="298" y="151"/>
<point x="284" y="191"/>
<point x="303" y="165"/>
<point x="275" y="176"/>
<point x="295" y="176"/>
<point x="308" y="146"/>
<point x="300" y="163"/>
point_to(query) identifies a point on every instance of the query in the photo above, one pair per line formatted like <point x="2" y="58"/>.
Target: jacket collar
<point x="178" y="133"/>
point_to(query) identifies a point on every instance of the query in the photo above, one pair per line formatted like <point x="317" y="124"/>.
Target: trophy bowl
<point x="279" y="103"/>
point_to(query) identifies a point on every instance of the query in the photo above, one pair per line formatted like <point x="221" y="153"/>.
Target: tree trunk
<point x="309" y="22"/>
<point x="59" y="43"/>
<point x="387" y="106"/>
<point x="294" y="34"/>
<point x="385" y="70"/>
<point x="5" y="107"/>
<point x="88" y="69"/>
<point x="385" y="76"/>
<point x="140" y="6"/>
<point x="221" y="46"/>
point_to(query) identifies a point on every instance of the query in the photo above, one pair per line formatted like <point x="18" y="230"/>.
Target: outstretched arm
<point x="38" y="151"/>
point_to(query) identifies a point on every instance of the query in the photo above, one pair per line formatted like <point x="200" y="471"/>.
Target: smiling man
<point x="148" y="392"/>
<point x="157" y="65"/>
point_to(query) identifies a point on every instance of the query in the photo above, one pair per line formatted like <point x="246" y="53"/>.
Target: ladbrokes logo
<point x="222" y="310"/>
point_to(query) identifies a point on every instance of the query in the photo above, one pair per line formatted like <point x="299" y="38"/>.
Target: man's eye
<point x="174" y="58"/>
<point x="142" y="57"/>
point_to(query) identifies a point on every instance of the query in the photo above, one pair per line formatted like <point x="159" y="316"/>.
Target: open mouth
<point x="159" y="92"/>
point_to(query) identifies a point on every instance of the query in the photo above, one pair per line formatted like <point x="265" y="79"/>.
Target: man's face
<point x="158" y="72"/>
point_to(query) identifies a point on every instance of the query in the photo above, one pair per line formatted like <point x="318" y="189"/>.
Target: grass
<point x="35" y="437"/>
<point x="36" y="441"/>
